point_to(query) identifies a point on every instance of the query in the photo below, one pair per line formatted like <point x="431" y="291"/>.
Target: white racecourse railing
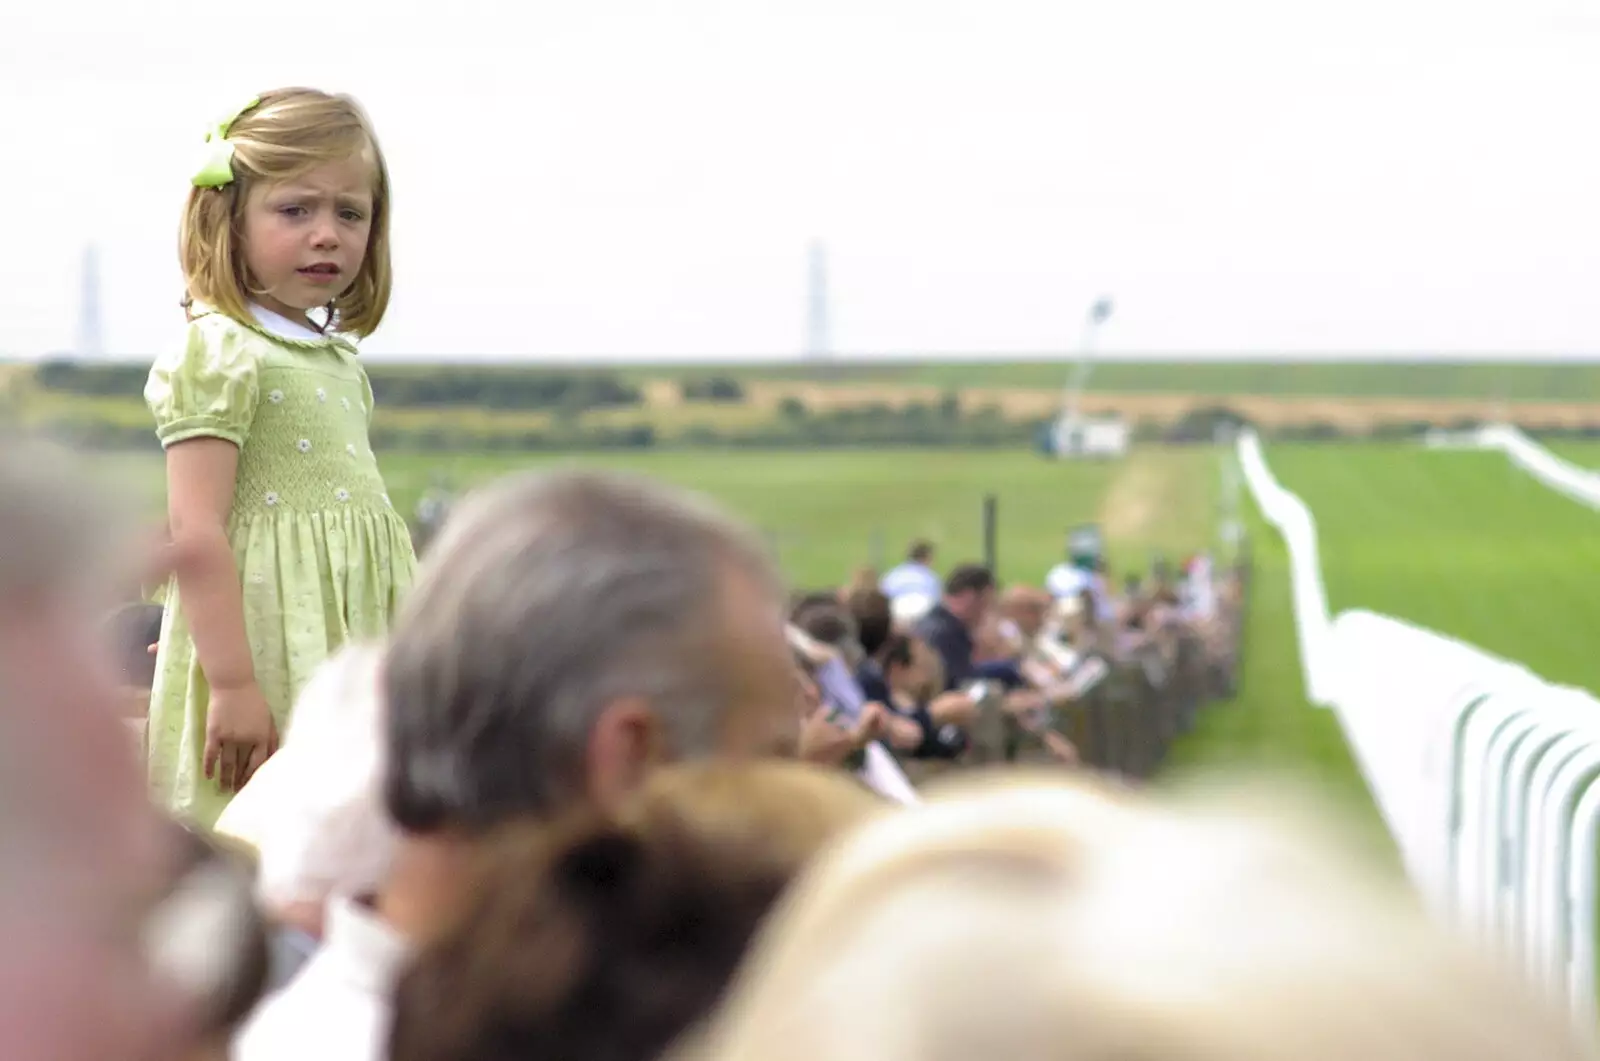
<point x="1487" y="775"/>
<point x="1563" y="476"/>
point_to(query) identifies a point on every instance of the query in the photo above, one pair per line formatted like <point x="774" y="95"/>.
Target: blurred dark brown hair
<point x="605" y="939"/>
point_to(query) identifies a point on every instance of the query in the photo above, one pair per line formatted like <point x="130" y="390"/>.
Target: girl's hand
<point x="240" y="735"/>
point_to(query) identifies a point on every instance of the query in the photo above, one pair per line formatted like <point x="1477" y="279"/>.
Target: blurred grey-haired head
<point x="545" y="599"/>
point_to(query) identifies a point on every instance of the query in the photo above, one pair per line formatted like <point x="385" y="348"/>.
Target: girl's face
<point x="305" y="240"/>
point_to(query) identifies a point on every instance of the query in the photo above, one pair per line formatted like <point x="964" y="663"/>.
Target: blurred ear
<point x="625" y="744"/>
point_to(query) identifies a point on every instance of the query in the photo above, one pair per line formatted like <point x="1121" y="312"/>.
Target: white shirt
<point x="911" y="577"/>
<point x="337" y="1007"/>
<point x="884" y="776"/>
<point x="1066" y="580"/>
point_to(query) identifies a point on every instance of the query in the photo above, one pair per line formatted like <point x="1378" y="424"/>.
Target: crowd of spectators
<point x="612" y="792"/>
<point x="925" y="663"/>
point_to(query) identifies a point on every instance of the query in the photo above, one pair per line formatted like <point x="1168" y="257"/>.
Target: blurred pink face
<point x="89" y="853"/>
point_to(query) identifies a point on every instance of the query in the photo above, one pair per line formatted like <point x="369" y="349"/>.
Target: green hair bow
<point x="216" y="170"/>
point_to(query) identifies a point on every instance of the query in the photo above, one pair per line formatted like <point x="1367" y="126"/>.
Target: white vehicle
<point x="1085" y="437"/>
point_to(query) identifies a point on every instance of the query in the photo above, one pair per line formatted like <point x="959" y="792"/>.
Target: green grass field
<point x="1583" y="454"/>
<point x="825" y="512"/>
<point x="1460" y="542"/>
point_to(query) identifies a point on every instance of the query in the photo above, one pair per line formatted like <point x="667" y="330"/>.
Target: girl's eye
<point x="291" y="210"/>
<point x="353" y="215"/>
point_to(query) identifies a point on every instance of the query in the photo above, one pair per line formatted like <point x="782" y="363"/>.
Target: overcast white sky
<point x="591" y="178"/>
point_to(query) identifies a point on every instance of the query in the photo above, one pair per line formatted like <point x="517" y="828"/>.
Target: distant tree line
<point x="711" y="389"/>
<point x="97" y="379"/>
<point x="396" y="386"/>
<point x="566" y="395"/>
<point x="499" y="388"/>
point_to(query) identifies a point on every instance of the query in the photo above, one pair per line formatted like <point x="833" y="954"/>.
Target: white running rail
<point x="1487" y="775"/>
<point x="1562" y="476"/>
<point x="1293" y="520"/>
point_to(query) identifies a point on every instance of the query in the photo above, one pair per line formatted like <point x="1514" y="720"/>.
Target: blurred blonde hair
<point x="1029" y="920"/>
<point x="289" y="133"/>
<point x="786" y="810"/>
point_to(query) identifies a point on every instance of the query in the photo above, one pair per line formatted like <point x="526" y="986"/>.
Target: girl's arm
<point x="240" y="734"/>
<point x="200" y="479"/>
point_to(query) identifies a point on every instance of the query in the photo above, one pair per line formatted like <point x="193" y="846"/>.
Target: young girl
<point x="285" y="544"/>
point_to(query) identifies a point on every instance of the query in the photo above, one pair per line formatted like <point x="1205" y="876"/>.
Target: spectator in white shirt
<point x="915" y="575"/>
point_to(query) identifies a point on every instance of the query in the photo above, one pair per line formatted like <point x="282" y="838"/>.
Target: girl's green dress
<point x="323" y="557"/>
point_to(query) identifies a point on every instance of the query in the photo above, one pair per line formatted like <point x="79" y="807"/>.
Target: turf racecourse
<point x="1460" y="542"/>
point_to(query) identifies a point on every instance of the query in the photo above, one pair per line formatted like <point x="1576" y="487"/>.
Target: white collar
<point x="281" y="326"/>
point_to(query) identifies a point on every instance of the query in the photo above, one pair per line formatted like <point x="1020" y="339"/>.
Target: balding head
<point x="567" y="628"/>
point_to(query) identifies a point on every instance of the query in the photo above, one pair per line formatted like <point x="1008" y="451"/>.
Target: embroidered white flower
<point x="322" y="395"/>
<point x="304" y="445"/>
<point x="350" y="448"/>
<point x="346" y="403"/>
<point x="274" y="396"/>
<point x="271" y="498"/>
<point x="342" y="494"/>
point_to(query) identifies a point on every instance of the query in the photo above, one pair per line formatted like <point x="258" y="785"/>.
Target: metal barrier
<point x="1521" y="829"/>
<point x="1126" y="724"/>
<point x="1487" y="776"/>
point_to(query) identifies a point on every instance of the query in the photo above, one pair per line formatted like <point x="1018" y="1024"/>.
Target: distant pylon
<point x="819" y="344"/>
<point x="91" y="341"/>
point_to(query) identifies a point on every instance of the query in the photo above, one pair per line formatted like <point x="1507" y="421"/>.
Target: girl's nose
<point x="326" y="234"/>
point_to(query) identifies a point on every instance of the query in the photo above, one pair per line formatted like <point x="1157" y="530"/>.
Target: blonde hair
<point x="290" y="132"/>
<point x="786" y="810"/>
<point x="1033" y="921"/>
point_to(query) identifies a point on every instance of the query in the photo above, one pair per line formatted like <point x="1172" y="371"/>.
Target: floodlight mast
<point x="1072" y="397"/>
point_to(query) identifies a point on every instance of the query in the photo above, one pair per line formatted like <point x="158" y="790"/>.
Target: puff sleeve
<point x="207" y="389"/>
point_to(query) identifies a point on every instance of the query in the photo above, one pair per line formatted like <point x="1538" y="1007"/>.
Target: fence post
<point x="991" y="537"/>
